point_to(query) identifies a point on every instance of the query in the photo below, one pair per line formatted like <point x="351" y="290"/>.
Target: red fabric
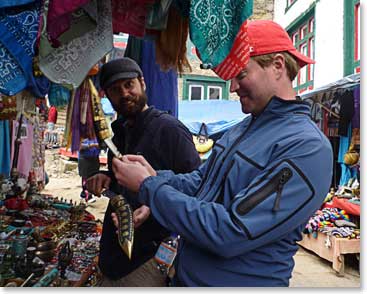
<point x="52" y="114"/>
<point x="129" y="16"/>
<point x="267" y="37"/>
<point x="237" y="58"/>
<point x="16" y="203"/>
<point x="258" y="37"/>
<point x="342" y="203"/>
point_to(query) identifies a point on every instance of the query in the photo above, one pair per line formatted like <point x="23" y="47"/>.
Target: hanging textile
<point x="158" y="15"/>
<point x="64" y="21"/>
<point x="68" y="19"/>
<point x="8" y="107"/>
<point x="25" y="149"/>
<point x="70" y="64"/>
<point x="129" y="16"/>
<point x="161" y="87"/>
<point x="356" y="116"/>
<point x="214" y="25"/>
<point x="4" y="148"/>
<point x="18" y="33"/>
<point x="171" y="43"/>
<point x="346" y="171"/>
<point x="10" y="3"/>
<point x="58" y="95"/>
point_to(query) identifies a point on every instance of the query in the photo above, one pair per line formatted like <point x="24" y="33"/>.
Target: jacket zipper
<point x="213" y="156"/>
<point x="219" y="198"/>
<point x="231" y="148"/>
<point x="276" y="184"/>
<point x="286" y="174"/>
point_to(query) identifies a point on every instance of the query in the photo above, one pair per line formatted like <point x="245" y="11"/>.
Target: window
<point x="214" y="92"/>
<point x="302" y="35"/>
<point x="199" y="87"/>
<point x="352" y="37"/>
<point x="196" y="92"/>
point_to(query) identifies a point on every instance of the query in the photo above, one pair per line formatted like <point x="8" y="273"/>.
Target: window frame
<point x="304" y="27"/>
<point x="191" y="85"/>
<point x="289" y="4"/>
<point x="214" y="87"/>
<point x="352" y="37"/>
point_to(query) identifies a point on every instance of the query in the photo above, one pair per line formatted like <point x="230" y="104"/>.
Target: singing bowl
<point x="46" y="245"/>
<point x="46" y="255"/>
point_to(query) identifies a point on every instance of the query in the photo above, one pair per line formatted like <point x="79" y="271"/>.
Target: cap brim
<point x="301" y="59"/>
<point x="120" y="76"/>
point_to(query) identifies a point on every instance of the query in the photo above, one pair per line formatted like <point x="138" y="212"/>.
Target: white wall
<point x="329" y="42"/>
<point x="328" y="35"/>
<point x="297" y="8"/>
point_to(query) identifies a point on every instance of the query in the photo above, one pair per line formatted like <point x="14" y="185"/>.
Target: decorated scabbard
<point x="121" y="207"/>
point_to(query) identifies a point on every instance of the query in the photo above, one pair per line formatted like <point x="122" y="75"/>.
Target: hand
<point x="140" y="159"/>
<point x="140" y="215"/>
<point x="115" y="220"/>
<point x="97" y="183"/>
<point x="130" y="174"/>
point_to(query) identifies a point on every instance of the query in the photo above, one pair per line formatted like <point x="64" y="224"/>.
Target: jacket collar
<point x="279" y="106"/>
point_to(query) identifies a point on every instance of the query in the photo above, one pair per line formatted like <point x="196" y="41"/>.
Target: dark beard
<point x="132" y="112"/>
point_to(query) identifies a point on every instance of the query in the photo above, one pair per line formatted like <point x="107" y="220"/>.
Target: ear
<point x="279" y="65"/>
<point x="142" y="82"/>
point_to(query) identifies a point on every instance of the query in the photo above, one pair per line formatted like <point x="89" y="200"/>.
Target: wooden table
<point x="331" y="248"/>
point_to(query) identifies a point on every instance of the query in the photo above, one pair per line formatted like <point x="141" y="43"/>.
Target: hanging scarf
<point x="129" y="16"/>
<point x="214" y="25"/>
<point x="171" y="43"/>
<point x="11" y="3"/>
<point x="70" y="63"/>
<point x="63" y="21"/>
<point x="58" y="95"/>
<point x="18" y="33"/>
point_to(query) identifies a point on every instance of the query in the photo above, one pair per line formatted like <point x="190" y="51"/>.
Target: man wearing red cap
<point x="241" y="213"/>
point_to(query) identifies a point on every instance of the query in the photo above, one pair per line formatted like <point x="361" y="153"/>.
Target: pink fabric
<point x="129" y="16"/>
<point x="25" y="149"/>
<point x="59" y="15"/>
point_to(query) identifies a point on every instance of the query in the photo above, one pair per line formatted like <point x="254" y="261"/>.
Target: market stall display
<point x="52" y="242"/>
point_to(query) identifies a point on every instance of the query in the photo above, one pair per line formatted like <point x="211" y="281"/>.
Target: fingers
<point x="140" y="215"/>
<point x="115" y="219"/>
<point x="97" y="183"/>
<point x="139" y="159"/>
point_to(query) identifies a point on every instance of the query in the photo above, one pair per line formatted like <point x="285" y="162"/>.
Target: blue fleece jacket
<point x="241" y="213"/>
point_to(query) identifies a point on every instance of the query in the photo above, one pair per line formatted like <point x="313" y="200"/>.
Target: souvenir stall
<point x="54" y="48"/>
<point x="334" y="230"/>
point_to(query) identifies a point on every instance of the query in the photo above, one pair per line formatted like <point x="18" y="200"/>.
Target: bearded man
<point x="166" y="143"/>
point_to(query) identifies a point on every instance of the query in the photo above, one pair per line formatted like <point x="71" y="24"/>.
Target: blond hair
<point x="290" y="63"/>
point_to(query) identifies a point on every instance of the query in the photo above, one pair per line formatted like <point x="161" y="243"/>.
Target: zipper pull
<point x="277" y="198"/>
<point x="286" y="174"/>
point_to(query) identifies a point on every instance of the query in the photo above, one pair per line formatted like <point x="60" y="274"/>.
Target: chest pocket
<point x="273" y="200"/>
<point x="242" y="171"/>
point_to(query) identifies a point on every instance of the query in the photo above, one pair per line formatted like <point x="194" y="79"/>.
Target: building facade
<point x="328" y="31"/>
<point x="201" y="84"/>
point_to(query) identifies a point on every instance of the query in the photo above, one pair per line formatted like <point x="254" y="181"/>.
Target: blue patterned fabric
<point x="10" y="3"/>
<point x="214" y="25"/>
<point x="18" y="34"/>
<point x="4" y="148"/>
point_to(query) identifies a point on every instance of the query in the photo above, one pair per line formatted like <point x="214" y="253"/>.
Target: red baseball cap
<point x="257" y="37"/>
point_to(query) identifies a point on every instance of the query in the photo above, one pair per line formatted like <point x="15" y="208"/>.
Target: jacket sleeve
<point x="277" y="201"/>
